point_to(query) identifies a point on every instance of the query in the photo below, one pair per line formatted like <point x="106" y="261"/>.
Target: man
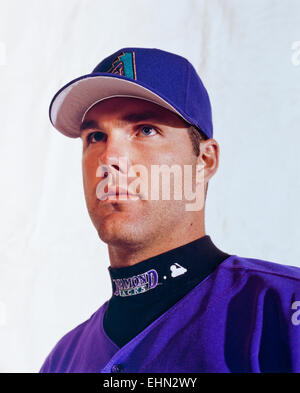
<point x="179" y="304"/>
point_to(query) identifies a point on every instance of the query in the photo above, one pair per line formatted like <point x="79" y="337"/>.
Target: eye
<point x="95" y="137"/>
<point x="148" y="131"/>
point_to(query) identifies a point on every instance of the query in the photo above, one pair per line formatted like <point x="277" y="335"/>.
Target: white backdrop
<point x="53" y="267"/>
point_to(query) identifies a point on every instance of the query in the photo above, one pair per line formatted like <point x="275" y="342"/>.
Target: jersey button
<point x="117" y="368"/>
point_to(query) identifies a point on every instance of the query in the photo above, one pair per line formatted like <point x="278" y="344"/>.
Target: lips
<point x="116" y="192"/>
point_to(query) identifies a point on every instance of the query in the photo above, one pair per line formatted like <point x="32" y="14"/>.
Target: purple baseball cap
<point x="155" y="75"/>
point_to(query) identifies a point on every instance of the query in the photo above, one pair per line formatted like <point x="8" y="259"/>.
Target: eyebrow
<point x="88" y="124"/>
<point x="129" y="118"/>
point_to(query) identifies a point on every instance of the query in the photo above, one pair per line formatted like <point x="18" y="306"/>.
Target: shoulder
<point x="261" y="277"/>
<point x="260" y="302"/>
<point x="263" y="268"/>
<point x="63" y="351"/>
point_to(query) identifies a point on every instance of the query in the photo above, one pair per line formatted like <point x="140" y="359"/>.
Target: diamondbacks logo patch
<point x="136" y="284"/>
<point x="124" y="65"/>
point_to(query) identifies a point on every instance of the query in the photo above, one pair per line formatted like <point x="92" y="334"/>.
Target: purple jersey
<point x="243" y="317"/>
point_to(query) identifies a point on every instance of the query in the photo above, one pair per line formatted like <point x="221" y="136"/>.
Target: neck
<point x="122" y="256"/>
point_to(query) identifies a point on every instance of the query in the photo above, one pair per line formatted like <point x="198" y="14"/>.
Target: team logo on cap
<point x="124" y="65"/>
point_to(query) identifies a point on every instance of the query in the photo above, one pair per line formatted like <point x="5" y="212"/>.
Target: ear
<point x="208" y="160"/>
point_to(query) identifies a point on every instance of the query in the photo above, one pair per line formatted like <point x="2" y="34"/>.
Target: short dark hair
<point x="196" y="135"/>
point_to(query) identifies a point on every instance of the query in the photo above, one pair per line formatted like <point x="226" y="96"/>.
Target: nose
<point x="116" y="153"/>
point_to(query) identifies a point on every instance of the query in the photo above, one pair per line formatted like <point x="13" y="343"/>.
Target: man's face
<point x="136" y="132"/>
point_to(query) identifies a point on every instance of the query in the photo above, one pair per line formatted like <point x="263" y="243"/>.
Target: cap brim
<point x="72" y="101"/>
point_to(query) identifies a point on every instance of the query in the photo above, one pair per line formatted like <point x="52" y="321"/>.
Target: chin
<point x="118" y="231"/>
<point x="119" y="238"/>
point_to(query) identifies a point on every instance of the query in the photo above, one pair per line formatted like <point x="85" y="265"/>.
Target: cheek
<point x="177" y="150"/>
<point x="175" y="156"/>
<point x="89" y="172"/>
<point x="169" y="176"/>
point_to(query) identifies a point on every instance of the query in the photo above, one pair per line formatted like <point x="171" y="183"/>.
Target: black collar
<point x="176" y="270"/>
<point x="152" y="286"/>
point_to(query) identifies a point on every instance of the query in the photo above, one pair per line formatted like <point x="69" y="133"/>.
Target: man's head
<point x="120" y="133"/>
<point x="143" y="107"/>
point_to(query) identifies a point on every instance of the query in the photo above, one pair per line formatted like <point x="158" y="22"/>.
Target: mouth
<point x="119" y="196"/>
